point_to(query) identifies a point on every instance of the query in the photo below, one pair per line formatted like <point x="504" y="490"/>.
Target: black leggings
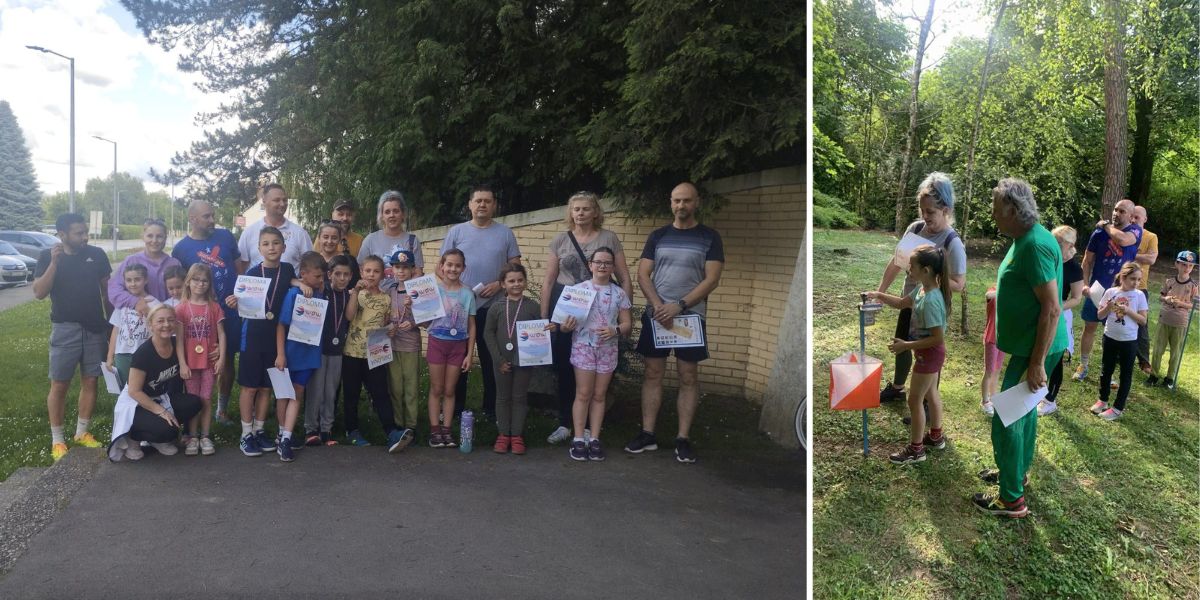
<point x="485" y="368"/>
<point x="149" y="427"/>
<point x="354" y="375"/>
<point x="903" y="359"/>
<point x="1055" y="380"/>
<point x="560" y="346"/>
<point x="1126" y="353"/>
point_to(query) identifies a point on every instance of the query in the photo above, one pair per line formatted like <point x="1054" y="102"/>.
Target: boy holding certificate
<point x="406" y="344"/>
<point x="300" y="358"/>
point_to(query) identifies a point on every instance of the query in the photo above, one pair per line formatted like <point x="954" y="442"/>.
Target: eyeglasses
<point x="603" y="263"/>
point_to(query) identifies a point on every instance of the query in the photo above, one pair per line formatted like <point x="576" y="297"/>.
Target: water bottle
<point x="466" y="432"/>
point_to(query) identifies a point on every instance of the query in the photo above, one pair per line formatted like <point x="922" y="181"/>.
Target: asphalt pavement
<point x="353" y="522"/>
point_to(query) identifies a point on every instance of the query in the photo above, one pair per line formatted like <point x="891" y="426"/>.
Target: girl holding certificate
<point x="594" y="353"/>
<point x="451" y="341"/>
<point x="512" y="379"/>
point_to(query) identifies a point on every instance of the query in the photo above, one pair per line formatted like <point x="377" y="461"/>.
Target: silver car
<point x="12" y="271"/>
<point x="29" y="243"/>
<point x="6" y="249"/>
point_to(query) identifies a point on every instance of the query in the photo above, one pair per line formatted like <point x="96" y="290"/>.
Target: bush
<point x="124" y="232"/>
<point x="828" y="212"/>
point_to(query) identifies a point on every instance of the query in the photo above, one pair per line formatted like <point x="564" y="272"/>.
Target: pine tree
<point x="20" y="198"/>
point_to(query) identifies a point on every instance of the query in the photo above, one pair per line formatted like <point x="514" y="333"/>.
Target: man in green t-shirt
<point x="1030" y="328"/>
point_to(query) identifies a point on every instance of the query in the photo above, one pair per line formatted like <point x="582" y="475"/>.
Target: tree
<point x="910" y="146"/>
<point x="1116" y="107"/>
<point x="20" y="198"/>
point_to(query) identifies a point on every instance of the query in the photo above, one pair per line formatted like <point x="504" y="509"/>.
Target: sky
<point x="126" y="90"/>
<point x="951" y="19"/>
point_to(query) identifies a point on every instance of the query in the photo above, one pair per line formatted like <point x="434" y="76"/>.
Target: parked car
<point x="29" y="243"/>
<point x="12" y="271"/>
<point x="6" y="249"/>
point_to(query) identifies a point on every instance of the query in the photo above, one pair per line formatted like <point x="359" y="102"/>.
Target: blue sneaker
<point x="399" y="439"/>
<point x="264" y="441"/>
<point x="284" y="449"/>
<point x="249" y="445"/>
<point x="354" y="438"/>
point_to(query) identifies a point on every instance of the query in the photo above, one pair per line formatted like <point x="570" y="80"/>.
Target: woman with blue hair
<point x="935" y="199"/>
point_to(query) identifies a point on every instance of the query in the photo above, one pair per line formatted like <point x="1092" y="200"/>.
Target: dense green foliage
<point x="1042" y="117"/>
<point x="137" y="204"/>
<point x="19" y="194"/>
<point x="347" y="99"/>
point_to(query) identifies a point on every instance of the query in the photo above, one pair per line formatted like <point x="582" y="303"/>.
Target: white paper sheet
<point x="110" y="379"/>
<point x="426" y="298"/>
<point x="281" y="383"/>
<point x="1096" y="293"/>
<point x="1016" y="402"/>
<point x="685" y="332"/>
<point x="574" y="301"/>
<point x="905" y="247"/>
<point x="533" y="343"/>
<point x="379" y="348"/>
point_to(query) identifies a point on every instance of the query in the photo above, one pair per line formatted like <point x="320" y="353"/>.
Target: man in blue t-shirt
<point x="1113" y="243"/>
<point x="680" y="266"/>
<point x="218" y="249"/>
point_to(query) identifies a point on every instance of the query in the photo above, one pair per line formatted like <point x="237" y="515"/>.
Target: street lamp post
<point x="72" y="60"/>
<point x="116" y="198"/>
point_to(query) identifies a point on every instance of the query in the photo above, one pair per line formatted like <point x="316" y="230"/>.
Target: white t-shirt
<point x="295" y="238"/>
<point x="1118" y="328"/>
<point x="131" y="329"/>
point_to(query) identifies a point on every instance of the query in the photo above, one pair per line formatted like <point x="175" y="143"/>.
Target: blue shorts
<point x="301" y="376"/>
<point x="1088" y="312"/>
<point x="233" y="335"/>
<point x="252" y="369"/>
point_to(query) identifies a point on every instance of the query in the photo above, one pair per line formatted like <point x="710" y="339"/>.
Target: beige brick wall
<point x="762" y="229"/>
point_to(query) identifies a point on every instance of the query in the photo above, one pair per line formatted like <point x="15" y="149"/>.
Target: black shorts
<point x="233" y="336"/>
<point x="645" y="345"/>
<point x="252" y="370"/>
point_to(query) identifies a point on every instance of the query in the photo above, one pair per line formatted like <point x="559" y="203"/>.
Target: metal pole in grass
<point x="863" y="317"/>
<point x="1183" y="346"/>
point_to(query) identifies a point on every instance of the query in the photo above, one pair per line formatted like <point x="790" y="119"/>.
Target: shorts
<point x="252" y="370"/>
<point x="1088" y="312"/>
<point x="446" y="352"/>
<point x="71" y="345"/>
<point x="645" y="345"/>
<point x="993" y="358"/>
<point x="599" y="359"/>
<point x="301" y="376"/>
<point x="233" y="335"/>
<point x="929" y="360"/>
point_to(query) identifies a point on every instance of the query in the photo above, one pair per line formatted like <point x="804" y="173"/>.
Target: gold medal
<point x="199" y="349"/>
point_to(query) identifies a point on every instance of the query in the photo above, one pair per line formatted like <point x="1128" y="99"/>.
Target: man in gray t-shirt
<point x="487" y="246"/>
<point x="680" y="266"/>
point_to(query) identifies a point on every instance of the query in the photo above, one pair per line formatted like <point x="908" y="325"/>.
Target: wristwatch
<point x="682" y="305"/>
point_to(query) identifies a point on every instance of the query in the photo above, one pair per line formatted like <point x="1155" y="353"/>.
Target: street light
<point x="116" y="199"/>
<point x="41" y="49"/>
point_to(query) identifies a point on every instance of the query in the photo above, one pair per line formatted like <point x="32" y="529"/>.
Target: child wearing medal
<point x="451" y="341"/>
<point x="258" y="343"/>
<point x="203" y="343"/>
<point x="300" y="359"/>
<point x="323" y="387"/>
<point x="406" y="344"/>
<point x="512" y="379"/>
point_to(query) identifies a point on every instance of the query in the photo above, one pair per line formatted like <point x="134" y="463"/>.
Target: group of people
<point x="168" y="327"/>
<point x="1030" y="317"/>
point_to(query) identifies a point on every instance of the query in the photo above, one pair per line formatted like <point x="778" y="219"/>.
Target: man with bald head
<point x="1147" y="253"/>
<point x="680" y="266"/>
<point x="218" y="249"/>
<point x="1113" y="243"/>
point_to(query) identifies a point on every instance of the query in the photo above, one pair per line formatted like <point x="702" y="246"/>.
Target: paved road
<point x="11" y="297"/>
<point x="357" y="522"/>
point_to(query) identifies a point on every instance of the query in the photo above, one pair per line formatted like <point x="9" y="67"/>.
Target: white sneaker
<point x="988" y="408"/>
<point x="133" y="451"/>
<point x="206" y="446"/>
<point x="193" y="447"/>
<point x="166" y="448"/>
<point x="1111" y="414"/>
<point x="1046" y="407"/>
<point x="560" y="435"/>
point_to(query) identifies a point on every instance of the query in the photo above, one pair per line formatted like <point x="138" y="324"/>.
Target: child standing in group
<point x="327" y="379"/>
<point x="930" y="302"/>
<point x="203" y="343"/>
<point x="1071" y="296"/>
<point x="258" y="343"/>
<point x="299" y="358"/>
<point x="129" y="326"/>
<point x="993" y="358"/>
<point x="1178" y="295"/>
<point x="373" y="310"/>
<point x="451" y="341"/>
<point x="174" y="277"/>
<point x="406" y="344"/>
<point x="1123" y="308"/>
<point x="512" y="379"/>
<point x="594" y="352"/>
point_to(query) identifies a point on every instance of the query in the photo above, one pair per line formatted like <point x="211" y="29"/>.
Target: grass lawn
<point x="1115" y="508"/>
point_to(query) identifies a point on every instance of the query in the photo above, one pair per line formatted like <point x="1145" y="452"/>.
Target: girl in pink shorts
<point x="993" y="358"/>
<point x="594" y="352"/>
<point x="203" y="345"/>
<point x="451" y="340"/>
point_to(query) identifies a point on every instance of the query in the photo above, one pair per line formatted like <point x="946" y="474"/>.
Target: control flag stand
<point x="1183" y="346"/>
<point x="854" y="378"/>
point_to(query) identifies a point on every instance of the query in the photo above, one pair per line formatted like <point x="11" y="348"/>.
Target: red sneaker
<point x="502" y="442"/>
<point x="518" y="444"/>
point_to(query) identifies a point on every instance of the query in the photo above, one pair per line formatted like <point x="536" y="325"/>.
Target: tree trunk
<point x="1142" y="163"/>
<point x="1116" y="106"/>
<point x="911" y="145"/>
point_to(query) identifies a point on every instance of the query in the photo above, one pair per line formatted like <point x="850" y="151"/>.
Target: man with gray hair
<point x="1030" y="329"/>
<point x="1113" y="243"/>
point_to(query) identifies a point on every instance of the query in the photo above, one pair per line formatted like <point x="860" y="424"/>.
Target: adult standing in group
<point x="154" y="239"/>
<point x="935" y="199"/>
<point x="487" y="246"/>
<point x="1112" y="244"/>
<point x="1147" y="254"/>
<point x="295" y="239"/>
<point x="1030" y="329"/>
<point x="392" y="217"/>
<point x="207" y="244"/>
<point x="343" y="212"/>
<point x="75" y="276"/>
<point x="567" y="264"/>
<point x="680" y="266"/>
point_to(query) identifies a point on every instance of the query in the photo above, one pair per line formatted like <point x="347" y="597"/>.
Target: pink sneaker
<point x="1111" y="414"/>
<point x="1099" y="407"/>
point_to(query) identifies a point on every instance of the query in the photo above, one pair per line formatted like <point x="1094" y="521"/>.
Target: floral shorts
<point x="601" y="359"/>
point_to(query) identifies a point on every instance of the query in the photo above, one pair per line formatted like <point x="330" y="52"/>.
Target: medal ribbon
<point x="512" y="325"/>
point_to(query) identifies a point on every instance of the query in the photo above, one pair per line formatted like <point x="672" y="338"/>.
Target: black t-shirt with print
<point x="77" y="295"/>
<point x="162" y="374"/>
<point x="258" y="335"/>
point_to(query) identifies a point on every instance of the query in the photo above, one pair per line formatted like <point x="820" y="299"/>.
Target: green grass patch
<point x="1115" y="506"/>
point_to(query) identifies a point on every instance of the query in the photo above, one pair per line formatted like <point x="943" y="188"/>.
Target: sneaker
<point x="354" y="438"/>
<point x="206" y="446"/>
<point x="1152" y="380"/>
<point x="399" y="439"/>
<point x="907" y="456"/>
<point x="1111" y="414"/>
<point x="891" y="394"/>
<point x="992" y="505"/>
<point x="87" y="441"/>
<point x="249" y="445"/>
<point x="938" y="444"/>
<point x="1099" y="407"/>
<point x="57" y="451"/>
<point x="192" y="448"/>
<point x="448" y="438"/>
<point x="297" y="442"/>
<point x="284" y="449"/>
<point x="683" y="451"/>
<point x="1168" y="383"/>
<point x="518" y="444"/>
<point x="415" y="438"/>
<point x="166" y="448"/>
<point x="312" y="438"/>
<point x="133" y="450"/>
<point x="992" y="476"/>
<point x="594" y="450"/>
<point x="264" y="441"/>
<point x="1081" y="373"/>
<point x="988" y="408"/>
<point x="502" y="444"/>
<point x="579" y="450"/>
<point x="435" y="438"/>
<point x="643" y="442"/>
<point x="1047" y="407"/>
<point x="560" y="435"/>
